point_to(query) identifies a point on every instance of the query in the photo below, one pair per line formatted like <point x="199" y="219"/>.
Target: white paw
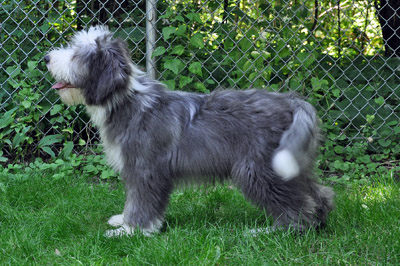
<point x="121" y="231"/>
<point x="116" y="220"/>
<point x="126" y="230"/>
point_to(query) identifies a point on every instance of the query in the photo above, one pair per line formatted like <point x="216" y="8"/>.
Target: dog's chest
<point x="112" y="147"/>
<point x="113" y="151"/>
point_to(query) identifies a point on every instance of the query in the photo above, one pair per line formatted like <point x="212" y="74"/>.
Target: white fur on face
<point x="60" y="64"/>
<point x="71" y="96"/>
<point x="61" y="67"/>
<point x="66" y="70"/>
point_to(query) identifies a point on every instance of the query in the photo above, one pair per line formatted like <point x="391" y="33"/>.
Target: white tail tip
<point x="285" y="165"/>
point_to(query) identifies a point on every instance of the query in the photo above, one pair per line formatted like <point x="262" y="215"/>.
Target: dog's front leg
<point x="146" y="200"/>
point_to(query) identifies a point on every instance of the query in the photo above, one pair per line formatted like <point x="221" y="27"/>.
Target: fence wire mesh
<point x="342" y="55"/>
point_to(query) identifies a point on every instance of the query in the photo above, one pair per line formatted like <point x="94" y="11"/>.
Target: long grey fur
<point x="158" y="138"/>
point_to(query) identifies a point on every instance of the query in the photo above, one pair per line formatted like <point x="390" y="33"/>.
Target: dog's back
<point x="237" y="123"/>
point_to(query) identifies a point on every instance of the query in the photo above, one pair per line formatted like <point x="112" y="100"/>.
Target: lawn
<point x="48" y="218"/>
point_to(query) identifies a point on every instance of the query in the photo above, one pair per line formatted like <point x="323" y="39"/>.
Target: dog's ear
<point x="108" y="71"/>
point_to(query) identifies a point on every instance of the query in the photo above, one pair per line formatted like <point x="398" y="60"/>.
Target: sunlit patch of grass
<point x="378" y="193"/>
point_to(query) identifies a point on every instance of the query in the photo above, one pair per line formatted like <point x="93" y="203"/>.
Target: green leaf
<point x="200" y="87"/>
<point x="105" y="174"/>
<point x="364" y="159"/>
<point x="167" y="32"/>
<point x="158" y="51"/>
<point x="7" y="118"/>
<point x="175" y="65"/>
<point x="317" y="83"/>
<point x="32" y="65"/>
<point x="294" y="84"/>
<point x="253" y="76"/>
<point x="56" y="109"/>
<point x="68" y="130"/>
<point x="255" y="54"/>
<point x="370" y="118"/>
<point x="283" y="53"/>
<point x="179" y="18"/>
<point x="168" y="13"/>
<point x="336" y="92"/>
<point x="45" y="26"/>
<point x="385" y="143"/>
<point x="194" y="17"/>
<point x="13" y="71"/>
<point x="181" y="30"/>
<point x="183" y="81"/>
<point x="18" y="138"/>
<point x="50" y="140"/>
<point x="245" y="44"/>
<point x="339" y="149"/>
<point x="195" y="68"/>
<point x="228" y="44"/>
<point x="305" y="59"/>
<point x="91" y="169"/>
<point x="2" y="159"/>
<point x="82" y="142"/>
<point x="67" y="150"/>
<point x="178" y="50"/>
<point x="197" y="40"/>
<point x="266" y="55"/>
<point x="380" y="100"/>
<point x="49" y="151"/>
<point x="169" y="83"/>
<point x="26" y="104"/>
<point x="245" y="64"/>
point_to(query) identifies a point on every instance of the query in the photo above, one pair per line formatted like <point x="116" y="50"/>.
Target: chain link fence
<point x="342" y="55"/>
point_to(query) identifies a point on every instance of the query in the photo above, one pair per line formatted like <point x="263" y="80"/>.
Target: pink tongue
<point x="61" y="85"/>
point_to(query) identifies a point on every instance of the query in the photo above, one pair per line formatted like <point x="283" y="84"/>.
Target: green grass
<point x="47" y="221"/>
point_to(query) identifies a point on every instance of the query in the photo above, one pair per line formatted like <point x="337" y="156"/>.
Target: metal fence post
<point x="151" y="34"/>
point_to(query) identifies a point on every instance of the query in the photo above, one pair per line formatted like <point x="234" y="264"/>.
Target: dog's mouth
<point x="62" y="85"/>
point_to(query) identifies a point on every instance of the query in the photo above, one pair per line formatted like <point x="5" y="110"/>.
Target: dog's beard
<point x="71" y="96"/>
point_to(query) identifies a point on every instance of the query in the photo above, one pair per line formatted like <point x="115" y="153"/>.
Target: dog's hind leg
<point x="310" y="203"/>
<point x="300" y="203"/>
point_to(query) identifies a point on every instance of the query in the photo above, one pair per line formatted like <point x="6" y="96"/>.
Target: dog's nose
<point x="46" y="59"/>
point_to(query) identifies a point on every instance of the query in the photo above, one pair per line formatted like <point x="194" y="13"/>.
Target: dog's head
<point x="91" y="68"/>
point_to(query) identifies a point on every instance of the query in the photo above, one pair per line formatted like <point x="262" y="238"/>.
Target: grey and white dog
<point x="266" y="143"/>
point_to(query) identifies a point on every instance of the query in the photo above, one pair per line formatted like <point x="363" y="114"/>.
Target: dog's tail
<point x="298" y="145"/>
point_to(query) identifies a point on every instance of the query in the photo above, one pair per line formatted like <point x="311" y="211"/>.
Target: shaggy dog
<point x="264" y="142"/>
